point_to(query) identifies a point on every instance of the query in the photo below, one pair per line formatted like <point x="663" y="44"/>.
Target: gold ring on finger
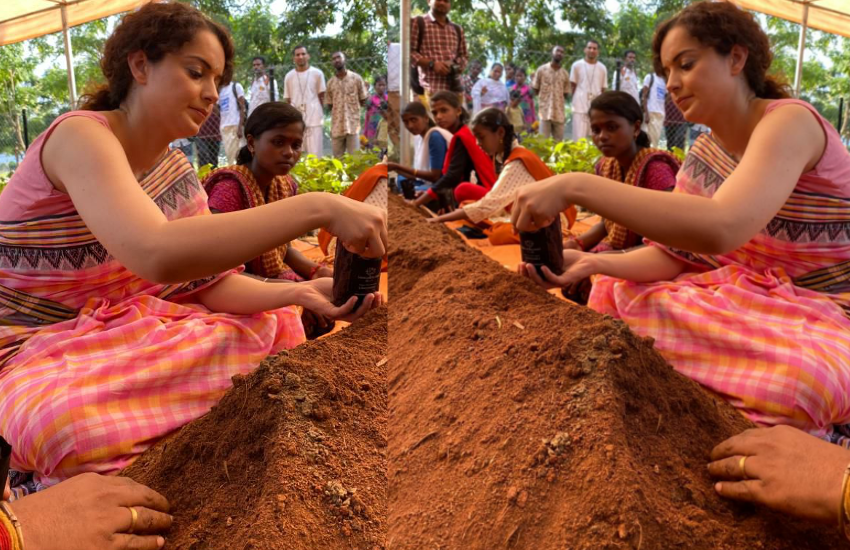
<point x="134" y="517"/>
<point x="743" y="464"/>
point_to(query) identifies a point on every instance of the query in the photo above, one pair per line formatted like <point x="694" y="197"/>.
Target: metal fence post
<point x="26" y="129"/>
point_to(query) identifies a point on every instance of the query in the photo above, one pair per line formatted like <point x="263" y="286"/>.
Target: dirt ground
<point x="519" y="421"/>
<point x="293" y="457"/>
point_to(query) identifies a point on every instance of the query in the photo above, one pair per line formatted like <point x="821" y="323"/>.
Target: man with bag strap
<point x="438" y="52"/>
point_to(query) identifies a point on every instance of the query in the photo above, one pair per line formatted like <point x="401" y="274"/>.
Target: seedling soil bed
<point x="293" y="457"/>
<point x="522" y="421"/>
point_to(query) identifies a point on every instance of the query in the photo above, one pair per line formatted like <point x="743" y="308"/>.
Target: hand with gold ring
<point x="783" y="468"/>
<point x="91" y="513"/>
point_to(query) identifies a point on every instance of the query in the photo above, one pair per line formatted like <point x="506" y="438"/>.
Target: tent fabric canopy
<point x="24" y="19"/>
<point x="832" y="16"/>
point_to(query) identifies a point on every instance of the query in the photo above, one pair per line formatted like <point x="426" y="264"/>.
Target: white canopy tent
<point x="24" y="19"/>
<point x="832" y="16"/>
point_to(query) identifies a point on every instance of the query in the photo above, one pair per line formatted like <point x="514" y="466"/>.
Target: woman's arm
<point x="87" y="160"/>
<point x="426" y="175"/>
<point x="765" y="178"/>
<point x="514" y="175"/>
<point x="644" y="265"/>
<point x="455" y="215"/>
<point x="241" y="295"/>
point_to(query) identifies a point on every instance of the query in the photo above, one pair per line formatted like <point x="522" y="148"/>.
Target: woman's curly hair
<point x="156" y="29"/>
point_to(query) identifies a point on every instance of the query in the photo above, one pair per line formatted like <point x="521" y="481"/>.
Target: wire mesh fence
<point x="18" y="127"/>
<point x="208" y="146"/>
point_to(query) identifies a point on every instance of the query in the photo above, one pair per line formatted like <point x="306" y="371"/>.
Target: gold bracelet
<point x="9" y="515"/>
<point x="844" y="505"/>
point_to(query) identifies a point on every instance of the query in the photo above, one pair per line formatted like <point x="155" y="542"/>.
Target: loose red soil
<point x="293" y="457"/>
<point x="522" y="421"/>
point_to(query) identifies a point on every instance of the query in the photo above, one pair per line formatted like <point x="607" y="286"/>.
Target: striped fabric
<point x="97" y="364"/>
<point x="765" y="325"/>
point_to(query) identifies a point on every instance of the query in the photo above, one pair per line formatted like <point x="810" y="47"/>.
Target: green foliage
<point x="563" y="156"/>
<point x="328" y="174"/>
<point x="679" y="154"/>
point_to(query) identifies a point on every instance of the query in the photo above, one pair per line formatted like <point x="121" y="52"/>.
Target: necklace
<point x="303" y="88"/>
<point x="590" y="79"/>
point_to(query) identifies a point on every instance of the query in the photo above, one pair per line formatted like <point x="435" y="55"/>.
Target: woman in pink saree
<point x="746" y="283"/>
<point x="124" y="315"/>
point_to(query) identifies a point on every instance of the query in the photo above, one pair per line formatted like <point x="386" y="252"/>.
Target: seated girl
<point x="124" y="312"/>
<point x="516" y="165"/>
<point x="615" y="120"/>
<point x="430" y="145"/>
<point x="463" y="157"/>
<point x="752" y="245"/>
<point x="275" y="134"/>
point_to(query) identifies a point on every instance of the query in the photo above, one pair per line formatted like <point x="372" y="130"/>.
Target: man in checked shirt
<point x="441" y="54"/>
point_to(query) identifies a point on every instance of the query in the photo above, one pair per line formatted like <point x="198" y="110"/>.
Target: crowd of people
<point x="535" y="101"/>
<point x="357" y="111"/>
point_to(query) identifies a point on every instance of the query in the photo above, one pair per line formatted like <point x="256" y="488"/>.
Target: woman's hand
<point x="361" y="228"/>
<point x="91" y="512"/>
<point x="316" y="296"/>
<point x="577" y="267"/>
<point x="538" y="204"/>
<point x="785" y="469"/>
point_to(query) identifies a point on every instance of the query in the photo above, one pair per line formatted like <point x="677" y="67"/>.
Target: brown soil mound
<point x="522" y="421"/>
<point x="294" y="455"/>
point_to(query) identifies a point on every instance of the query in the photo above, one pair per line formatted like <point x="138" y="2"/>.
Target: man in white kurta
<point x="304" y="87"/>
<point x="588" y="79"/>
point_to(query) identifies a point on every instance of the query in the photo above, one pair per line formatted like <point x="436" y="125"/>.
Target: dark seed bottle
<point x="408" y="189"/>
<point x="354" y="275"/>
<point x="544" y="247"/>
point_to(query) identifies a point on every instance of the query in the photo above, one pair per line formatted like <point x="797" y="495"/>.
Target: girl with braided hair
<point x="516" y="166"/>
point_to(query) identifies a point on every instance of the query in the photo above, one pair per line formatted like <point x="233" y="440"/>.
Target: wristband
<point x="12" y="526"/>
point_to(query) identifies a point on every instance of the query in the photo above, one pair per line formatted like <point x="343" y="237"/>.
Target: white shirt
<point x="629" y="83"/>
<point x="655" y="100"/>
<point x="260" y="93"/>
<point x="497" y="92"/>
<point x="302" y="89"/>
<point x="591" y="80"/>
<point x="394" y="67"/>
<point x="228" y="103"/>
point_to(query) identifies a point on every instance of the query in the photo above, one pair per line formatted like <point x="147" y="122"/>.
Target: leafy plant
<point x="563" y="156"/>
<point x="330" y="174"/>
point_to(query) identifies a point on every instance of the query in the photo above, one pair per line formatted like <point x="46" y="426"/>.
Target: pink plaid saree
<point x="766" y="325"/>
<point x="96" y="364"/>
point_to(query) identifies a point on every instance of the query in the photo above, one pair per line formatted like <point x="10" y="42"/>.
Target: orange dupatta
<point x="359" y="190"/>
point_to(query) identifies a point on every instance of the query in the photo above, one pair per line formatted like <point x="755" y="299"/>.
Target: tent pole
<point x="406" y="153"/>
<point x="69" y="59"/>
<point x="798" y="77"/>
